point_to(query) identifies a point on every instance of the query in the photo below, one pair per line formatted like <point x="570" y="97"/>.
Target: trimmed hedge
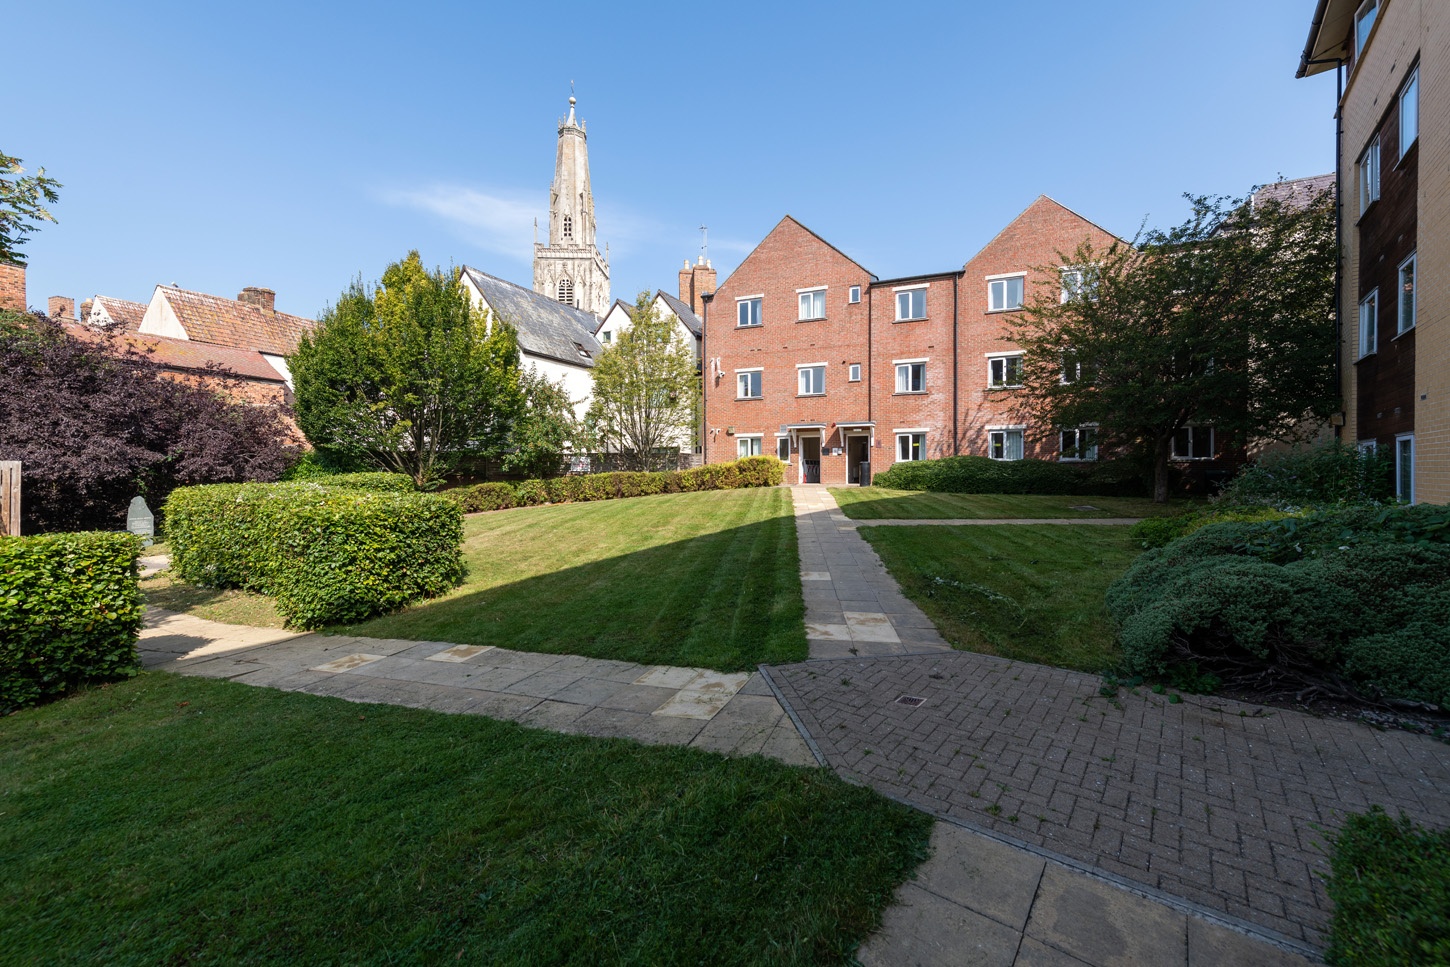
<point x="983" y="475"/>
<point x="1355" y="599"/>
<point x="390" y="483"/>
<point x="746" y="472"/>
<point x="328" y="555"/>
<point x="1330" y="473"/>
<point x="1390" y="883"/>
<point x="70" y="612"/>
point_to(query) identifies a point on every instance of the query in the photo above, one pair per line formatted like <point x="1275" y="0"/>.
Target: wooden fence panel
<point x="10" y="497"/>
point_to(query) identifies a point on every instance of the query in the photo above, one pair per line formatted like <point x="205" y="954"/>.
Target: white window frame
<point x="1369" y="175"/>
<point x="808" y="301"/>
<point x="1089" y="453"/>
<point x="748" y="442"/>
<point x="743" y="305"/>
<point x="997" y="436"/>
<point x="914" y="450"/>
<point x="1192" y="456"/>
<point x="1369" y="324"/>
<point x="1370" y="9"/>
<point x="1414" y="296"/>
<point x="853" y="294"/>
<point x="1410" y="96"/>
<point x="1400" y="440"/>
<point x="853" y="373"/>
<point x="907" y="296"/>
<point x="994" y="280"/>
<point x="801" y="369"/>
<point x="779" y="439"/>
<point x="992" y="360"/>
<point x="904" y="368"/>
<point x="758" y="371"/>
<point x="1085" y="285"/>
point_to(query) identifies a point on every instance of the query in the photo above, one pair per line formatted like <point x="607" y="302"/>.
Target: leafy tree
<point x="22" y="201"/>
<point x="407" y="375"/>
<point x="1222" y="321"/>
<point x="545" y="431"/>
<point x="94" y="423"/>
<point x="645" y="389"/>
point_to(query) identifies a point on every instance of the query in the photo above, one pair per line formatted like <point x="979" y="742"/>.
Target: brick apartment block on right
<point x="1394" y="196"/>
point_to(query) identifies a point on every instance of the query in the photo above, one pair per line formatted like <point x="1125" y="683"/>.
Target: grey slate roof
<point x="1296" y="191"/>
<point x="683" y="310"/>
<point x="546" y="327"/>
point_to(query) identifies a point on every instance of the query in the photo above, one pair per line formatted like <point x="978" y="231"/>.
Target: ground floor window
<point x="782" y="448"/>
<point x="910" y="446"/>
<point x="1004" y="444"/>
<point x="1405" y="467"/>
<point x="747" y="446"/>
<point x="1193" y="443"/>
<point x="1079" y="443"/>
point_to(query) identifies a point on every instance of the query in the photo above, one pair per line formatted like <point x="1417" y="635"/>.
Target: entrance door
<point x="858" y="452"/>
<point x="810" y="459"/>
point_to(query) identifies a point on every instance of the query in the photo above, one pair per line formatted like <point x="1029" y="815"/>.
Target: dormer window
<point x="583" y="353"/>
<point x="566" y="292"/>
<point x="568" y="227"/>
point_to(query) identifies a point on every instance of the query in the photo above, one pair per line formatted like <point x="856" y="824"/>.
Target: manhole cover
<point x="911" y="700"/>
<point x="1083" y="507"/>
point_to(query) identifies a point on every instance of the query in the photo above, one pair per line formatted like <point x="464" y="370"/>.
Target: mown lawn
<point x="879" y="503"/>
<point x="1032" y="593"/>
<point x="183" y="820"/>
<point x="710" y="580"/>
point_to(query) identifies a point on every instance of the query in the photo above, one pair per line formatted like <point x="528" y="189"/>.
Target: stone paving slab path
<point x="735" y="714"/>
<point x="989" y="521"/>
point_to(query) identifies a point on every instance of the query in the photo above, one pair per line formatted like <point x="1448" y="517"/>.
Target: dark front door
<point x="858" y="471"/>
<point x="810" y="460"/>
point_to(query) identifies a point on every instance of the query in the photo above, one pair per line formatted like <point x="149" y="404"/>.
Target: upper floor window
<point x="606" y="337"/>
<point x="1071" y="368"/>
<point x="911" y="377"/>
<point x="812" y="380"/>
<point x="747" y="385"/>
<point x="853" y="294"/>
<point x="813" y="304"/>
<point x="566" y="292"/>
<point x="854" y="373"/>
<point x="1410" y="112"/>
<point x="1004" y="294"/>
<point x="1078" y="443"/>
<point x="1003" y="371"/>
<point x="1369" y="323"/>
<point x="1364" y="22"/>
<point x="568" y="226"/>
<point x="1005" y="444"/>
<point x="1193" y="443"/>
<point x="911" y="304"/>
<point x="1369" y="175"/>
<point x="1408" y="304"/>
<point x="1079" y="283"/>
<point x="747" y="311"/>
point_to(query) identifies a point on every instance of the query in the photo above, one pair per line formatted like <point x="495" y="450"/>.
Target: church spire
<point x="569" y="268"/>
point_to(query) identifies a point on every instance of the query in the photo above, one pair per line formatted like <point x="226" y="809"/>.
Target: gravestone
<point x="140" y="520"/>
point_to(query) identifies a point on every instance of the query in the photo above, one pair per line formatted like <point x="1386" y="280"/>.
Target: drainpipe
<point x="705" y="299"/>
<point x="870" y="299"/>
<point x="956" y="369"/>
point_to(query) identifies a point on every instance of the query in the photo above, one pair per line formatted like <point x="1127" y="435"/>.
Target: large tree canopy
<point x="1225" y="321"/>
<point x="408" y="375"/>
<point x="22" y="202"/>
<point x="646" y="389"/>
<point x="94" y="424"/>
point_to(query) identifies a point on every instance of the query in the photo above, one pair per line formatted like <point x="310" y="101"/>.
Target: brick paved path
<point x="1220" y="803"/>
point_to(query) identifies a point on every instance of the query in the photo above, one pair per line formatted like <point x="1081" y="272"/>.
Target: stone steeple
<point x="569" y="267"/>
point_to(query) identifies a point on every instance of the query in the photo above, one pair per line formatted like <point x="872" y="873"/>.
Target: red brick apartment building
<point x="811" y="357"/>
<point x="1394" y="194"/>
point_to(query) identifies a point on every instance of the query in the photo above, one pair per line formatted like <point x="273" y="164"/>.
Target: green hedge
<point x="1357" y="597"/>
<point x="982" y="475"/>
<point x="1159" y="531"/>
<point x="746" y="472"/>
<point x="1330" y="473"/>
<point x="1390" y="883"/>
<point x="390" y="483"/>
<point x="70" y="612"/>
<point x="328" y="555"/>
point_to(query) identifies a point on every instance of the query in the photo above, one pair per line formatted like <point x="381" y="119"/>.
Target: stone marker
<point x="140" y="520"/>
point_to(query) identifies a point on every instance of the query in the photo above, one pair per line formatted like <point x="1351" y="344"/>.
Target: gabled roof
<point x="1042" y="199"/>
<point x="187" y="354"/>
<point x="797" y="224"/>
<point x="123" y="313"/>
<point x="546" y="328"/>
<point x="627" y="307"/>
<point x="682" y="309"/>
<point x="1299" y="191"/>
<point x="240" y="325"/>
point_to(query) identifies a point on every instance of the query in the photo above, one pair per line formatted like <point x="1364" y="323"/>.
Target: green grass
<point x="231" y="606"/>
<point x="183" y="820"/>
<point x="1032" y="593"/>
<point x="880" y="503"/>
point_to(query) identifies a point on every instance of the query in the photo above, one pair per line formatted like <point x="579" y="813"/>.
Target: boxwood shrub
<point x="1355" y="599"/>
<point x="982" y="475"/>
<point x="328" y="555"/>
<point x="746" y="472"/>
<point x="70" y="612"/>
<point x="484" y="496"/>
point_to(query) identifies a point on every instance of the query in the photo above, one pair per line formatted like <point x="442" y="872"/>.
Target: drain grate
<point x="911" y="700"/>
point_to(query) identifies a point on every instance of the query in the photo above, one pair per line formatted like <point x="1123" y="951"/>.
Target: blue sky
<point x="297" y="146"/>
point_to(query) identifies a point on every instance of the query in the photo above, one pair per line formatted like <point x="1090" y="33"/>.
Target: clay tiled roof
<point x="124" y="313"/>
<point x="187" y="354"/>
<point x="240" y="325"/>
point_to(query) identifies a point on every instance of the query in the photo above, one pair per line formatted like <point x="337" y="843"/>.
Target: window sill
<point x="752" y="326"/>
<point x="921" y="319"/>
<point x="1399" y="335"/>
<point x="1004" y="387"/>
<point x="809" y="396"/>
<point x="1077" y="459"/>
<point x="749" y="399"/>
<point x="1364" y="357"/>
<point x="813" y="319"/>
<point x="1190" y="459"/>
<point x="998" y="312"/>
<point x="909" y="392"/>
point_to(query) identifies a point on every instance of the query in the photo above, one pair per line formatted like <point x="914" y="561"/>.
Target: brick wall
<point x="12" y="287"/>
<point x="61" y="307"/>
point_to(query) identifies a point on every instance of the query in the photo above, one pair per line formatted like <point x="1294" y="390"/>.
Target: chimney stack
<point x="86" y="311"/>
<point x="12" y="287"/>
<point x="61" y="307"/>
<point x="695" y="280"/>
<point x="264" y="299"/>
